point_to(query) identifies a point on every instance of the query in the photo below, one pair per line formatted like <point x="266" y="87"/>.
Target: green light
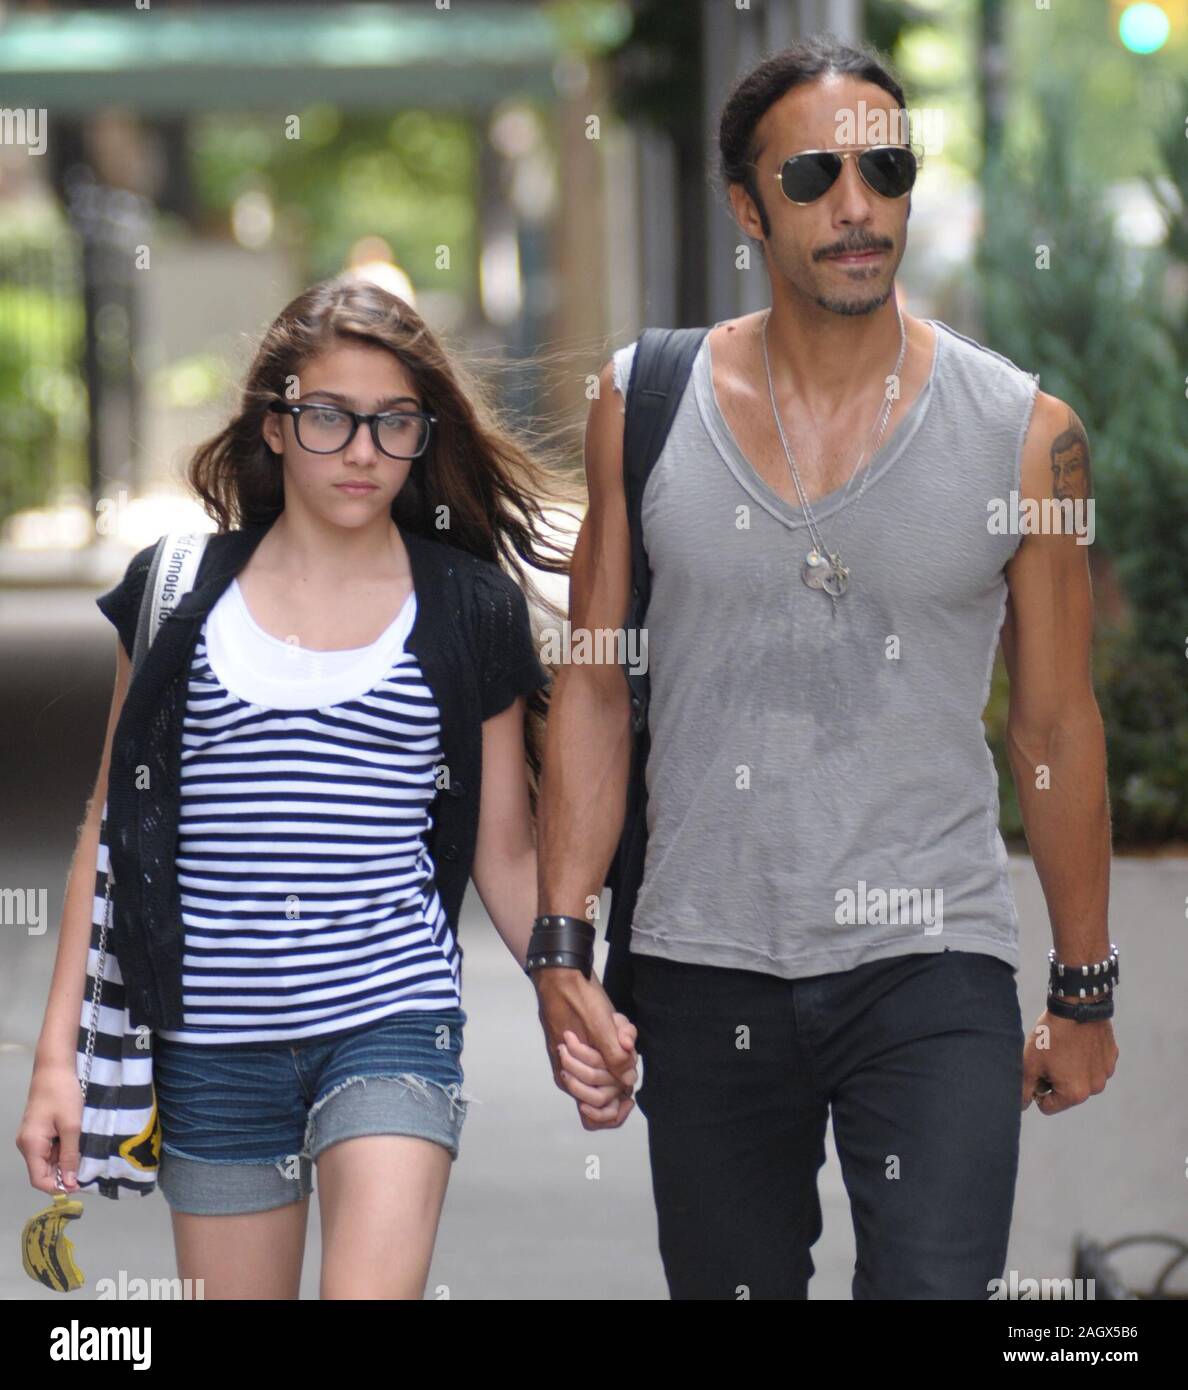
<point x="1143" y="28"/>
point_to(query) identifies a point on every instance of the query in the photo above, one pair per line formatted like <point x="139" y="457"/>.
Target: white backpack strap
<point x="171" y="576"/>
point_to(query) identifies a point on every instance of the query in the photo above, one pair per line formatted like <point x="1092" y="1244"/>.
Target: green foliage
<point x="1098" y="328"/>
<point x="409" y="178"/>
<point x="1115" y="90"/>
<point x="42" y="400"/>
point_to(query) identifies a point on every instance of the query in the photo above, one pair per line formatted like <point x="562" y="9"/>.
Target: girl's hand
<point x="586" y="1078"/>
<point x="569" y="1004"/>
<point x="49" y="1134"/>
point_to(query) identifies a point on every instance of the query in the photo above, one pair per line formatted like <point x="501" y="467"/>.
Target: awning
<point x="252" y="57"/>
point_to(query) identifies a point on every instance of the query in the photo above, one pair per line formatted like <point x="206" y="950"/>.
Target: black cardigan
<point x="473" y="639"/>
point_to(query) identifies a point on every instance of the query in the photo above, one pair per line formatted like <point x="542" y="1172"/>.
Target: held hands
<point x="1077" y="1062"/>
<point x="591" y="1046"/>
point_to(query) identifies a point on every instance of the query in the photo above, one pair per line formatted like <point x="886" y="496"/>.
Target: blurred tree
<point x="1096" y="328"/>
<point x="1116" y="94"/>
<point x="409" y="178"/>
<point x="42" y="399"/>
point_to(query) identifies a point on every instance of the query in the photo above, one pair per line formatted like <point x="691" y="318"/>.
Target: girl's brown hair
<point x="494" y="484"/>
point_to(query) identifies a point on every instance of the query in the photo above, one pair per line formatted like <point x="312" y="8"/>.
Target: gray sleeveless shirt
<point x="820" y="790"/>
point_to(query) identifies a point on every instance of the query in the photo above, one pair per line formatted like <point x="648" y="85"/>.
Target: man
<point x="825" y="922"/>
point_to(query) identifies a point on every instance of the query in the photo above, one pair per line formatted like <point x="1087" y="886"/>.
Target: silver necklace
<point x="823" y="568"/>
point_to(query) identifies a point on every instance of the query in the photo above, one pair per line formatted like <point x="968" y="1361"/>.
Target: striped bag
<point x="120" y="1143"/>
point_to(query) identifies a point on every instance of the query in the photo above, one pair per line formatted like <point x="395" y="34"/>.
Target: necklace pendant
<point x="837" y="581"/>
<point x="814" y="570"/>
<point x="829" y="573"/>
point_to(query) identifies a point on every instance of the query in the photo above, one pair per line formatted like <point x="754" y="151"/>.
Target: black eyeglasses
<point x="889" y="170"/>
<point x="325" y="429"/>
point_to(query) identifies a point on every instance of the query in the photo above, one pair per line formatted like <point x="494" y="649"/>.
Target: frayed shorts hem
<point x="360" y="1106"/>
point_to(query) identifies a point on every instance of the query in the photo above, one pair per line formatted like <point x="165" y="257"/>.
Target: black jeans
<point x="920" y="1058"/>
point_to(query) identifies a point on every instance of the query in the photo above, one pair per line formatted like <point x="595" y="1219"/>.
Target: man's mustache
<point x="852" y="249"/>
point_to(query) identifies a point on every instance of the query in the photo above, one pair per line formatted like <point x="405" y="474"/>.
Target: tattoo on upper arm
<point x="1070" y="462"/>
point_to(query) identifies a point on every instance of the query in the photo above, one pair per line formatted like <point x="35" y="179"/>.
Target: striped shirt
<point x="307" y="891"/>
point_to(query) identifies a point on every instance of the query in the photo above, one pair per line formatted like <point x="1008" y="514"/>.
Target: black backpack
<point x="659" y="374"/>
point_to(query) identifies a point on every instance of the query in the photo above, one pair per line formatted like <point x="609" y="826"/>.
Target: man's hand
<point x="591" y="1047"/>
<point x="1077" y="1063"/>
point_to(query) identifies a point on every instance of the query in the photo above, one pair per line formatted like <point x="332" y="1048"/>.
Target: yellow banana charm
<point x="47" y="1252"/>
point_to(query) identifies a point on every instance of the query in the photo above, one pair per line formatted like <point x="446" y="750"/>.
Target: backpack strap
<point x="659" y="374"/>
<point x="172" y="573"/>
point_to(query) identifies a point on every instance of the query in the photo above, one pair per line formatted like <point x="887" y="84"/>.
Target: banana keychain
<point x="47" y="1252"/>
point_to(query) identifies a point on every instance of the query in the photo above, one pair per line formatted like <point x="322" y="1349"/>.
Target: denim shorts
<point x="242" y="1125"/>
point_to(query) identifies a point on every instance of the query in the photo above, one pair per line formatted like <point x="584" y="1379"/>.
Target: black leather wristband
<point x="565" y="959"/>
<point x="560" y="940"/>
<point x="1097" y="980"/>
<point x="1085" y="1012"/>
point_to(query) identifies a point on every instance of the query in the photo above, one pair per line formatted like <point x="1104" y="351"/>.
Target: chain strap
<point x="93" y="1028"/>
<point x="98" y="991"/>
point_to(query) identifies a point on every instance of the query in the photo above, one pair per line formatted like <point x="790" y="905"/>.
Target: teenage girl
<point x="369" y="500"/>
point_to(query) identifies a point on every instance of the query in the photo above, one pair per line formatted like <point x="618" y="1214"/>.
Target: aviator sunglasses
<point x="889" y="170"/>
